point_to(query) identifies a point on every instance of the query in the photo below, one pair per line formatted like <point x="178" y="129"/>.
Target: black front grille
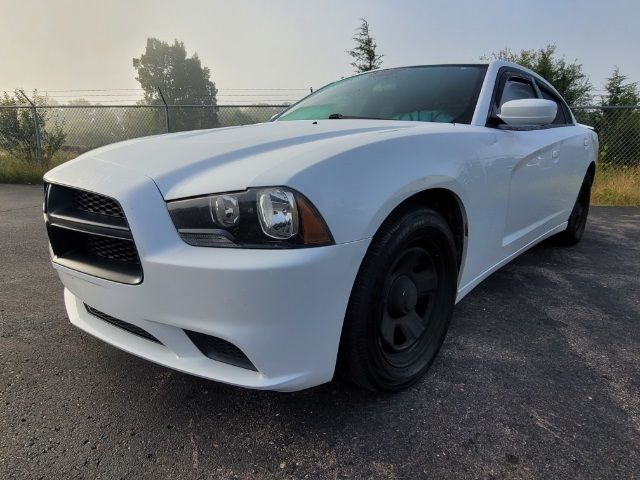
<point x="89" y="232"/>
<point x="94" y="203"/>
<point x="121" y="324"/>
<point x="220" y="350"/>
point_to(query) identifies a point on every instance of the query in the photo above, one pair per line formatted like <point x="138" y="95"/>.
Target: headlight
<point x="275" y="217"/>
<point x="225" y="210"/>
<point x="278" y="213"/>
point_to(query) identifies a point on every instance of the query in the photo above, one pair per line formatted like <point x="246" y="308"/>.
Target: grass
<point x="613" y="185"/>
<point x="14" y="170"/>
<point x="616" y="186"/>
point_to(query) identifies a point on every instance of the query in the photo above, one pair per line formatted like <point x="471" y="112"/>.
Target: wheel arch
<point x="451" y="207"/>
<point x="591" y="170"/>
<point x="448" y="204"/>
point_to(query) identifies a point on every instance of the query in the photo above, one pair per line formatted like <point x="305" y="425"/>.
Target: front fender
<point x="357" y="189"/>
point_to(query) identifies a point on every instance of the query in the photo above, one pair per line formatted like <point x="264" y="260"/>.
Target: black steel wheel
<point x="401" y="302"/>
<point x="407" y="306"/>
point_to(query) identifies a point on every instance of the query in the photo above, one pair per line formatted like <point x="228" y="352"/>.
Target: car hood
<point x="234" y="158"/>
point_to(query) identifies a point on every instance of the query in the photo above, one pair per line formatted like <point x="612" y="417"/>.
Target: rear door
<point x="575" y="150"/>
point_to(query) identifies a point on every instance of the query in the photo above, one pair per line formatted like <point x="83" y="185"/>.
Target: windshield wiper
<point x="339" y="116"/>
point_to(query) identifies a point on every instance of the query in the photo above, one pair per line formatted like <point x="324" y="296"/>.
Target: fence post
<point x="36" y="126"/>
<point x="166" y="111"/>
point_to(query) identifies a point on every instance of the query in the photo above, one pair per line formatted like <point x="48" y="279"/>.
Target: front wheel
<point x="401" y="302"/>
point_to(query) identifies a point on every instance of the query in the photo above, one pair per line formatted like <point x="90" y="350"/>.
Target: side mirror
<point x="528" y="112"/>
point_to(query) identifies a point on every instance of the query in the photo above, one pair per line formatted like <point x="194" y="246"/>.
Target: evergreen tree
<point x="364" y="54"/>
<point x="620" y="91"/>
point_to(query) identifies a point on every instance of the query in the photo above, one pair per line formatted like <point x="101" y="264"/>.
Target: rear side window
<point x="516" y="89"/>
<point x="560" y="119"/>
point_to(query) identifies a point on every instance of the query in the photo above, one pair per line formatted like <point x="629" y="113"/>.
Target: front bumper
<point x="283" y="308"/>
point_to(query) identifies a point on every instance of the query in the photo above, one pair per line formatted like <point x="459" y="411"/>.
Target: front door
<point x="536" y="196"/>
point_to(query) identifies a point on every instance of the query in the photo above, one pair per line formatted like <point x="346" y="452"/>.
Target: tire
<point x="578" y="218"/>
<point x="401" y="303"/>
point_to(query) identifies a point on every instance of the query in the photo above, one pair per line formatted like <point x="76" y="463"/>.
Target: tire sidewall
<point x="414" y="227"/>
<point x="576" y="227"/>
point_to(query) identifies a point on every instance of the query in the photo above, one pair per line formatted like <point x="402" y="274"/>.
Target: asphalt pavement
<point x="539" y="377"/>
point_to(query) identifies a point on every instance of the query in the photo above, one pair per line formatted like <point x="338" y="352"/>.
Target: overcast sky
<point x="89" y="44"/>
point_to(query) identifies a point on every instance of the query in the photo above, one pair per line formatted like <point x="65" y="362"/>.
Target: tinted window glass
<point x="437" y="93"/>
<point x="516" y="89"/>
<point x="560" y="117"/>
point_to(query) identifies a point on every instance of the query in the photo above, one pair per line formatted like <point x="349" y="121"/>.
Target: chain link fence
<point x="618" y="129"/>
<point x="43" y="134"/>
<point x="46" y="134"/>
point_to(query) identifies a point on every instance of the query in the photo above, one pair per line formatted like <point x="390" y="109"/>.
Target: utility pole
<point x="36" y="125"/>
<point x="166" y="111"/>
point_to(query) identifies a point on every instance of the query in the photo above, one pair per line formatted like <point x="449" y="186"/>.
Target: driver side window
<point x="560" y="116"/>
<point x="516" y="88"/>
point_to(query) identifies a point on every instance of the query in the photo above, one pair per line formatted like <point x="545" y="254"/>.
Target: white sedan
<point x="338" y="236"/>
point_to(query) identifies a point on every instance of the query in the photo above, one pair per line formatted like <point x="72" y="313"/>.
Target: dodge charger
<point x="336" y="237"/>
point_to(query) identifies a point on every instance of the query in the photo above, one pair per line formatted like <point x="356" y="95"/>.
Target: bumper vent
<point x="121" y="324"/>
<point x="89" y="233"/>
<point x="94" y="203"/>
<point x="220" y="350"/>
<point x="112" y="248"/>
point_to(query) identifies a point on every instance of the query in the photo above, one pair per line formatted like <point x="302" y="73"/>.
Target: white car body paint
<point x="284" y="308"/>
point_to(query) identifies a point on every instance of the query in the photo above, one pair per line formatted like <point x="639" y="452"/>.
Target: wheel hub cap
<point x="403" y="296"/>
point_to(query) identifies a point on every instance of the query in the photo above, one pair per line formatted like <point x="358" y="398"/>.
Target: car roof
<point x="444" y="64"/>
<point x="486" y="63"/>
<point x="493" y="66"/>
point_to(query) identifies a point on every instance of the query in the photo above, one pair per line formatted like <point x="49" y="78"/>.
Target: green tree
<point x="568" y="78"/>
<point x="18" y="134"/>
<point x="183" y="81"/>
<point x="619" y="91"/>
<point x="619" y="129"/>
<point x="364" y="54"/>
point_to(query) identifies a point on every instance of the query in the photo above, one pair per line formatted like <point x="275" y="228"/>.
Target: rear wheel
<point x="578" y="219"/>
<point x="401" y="302"/>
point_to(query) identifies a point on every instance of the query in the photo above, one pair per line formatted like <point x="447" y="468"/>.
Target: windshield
<point x="438" y="93"/>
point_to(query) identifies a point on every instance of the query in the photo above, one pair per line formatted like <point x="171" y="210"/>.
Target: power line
<point x="97" y="90"/>
<point x="94" y="95"/>
<point x="142" y="90"/>
<point x="138" y="96"/>
<point x="277" y="101"/>
<point x="261" y="88"/>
